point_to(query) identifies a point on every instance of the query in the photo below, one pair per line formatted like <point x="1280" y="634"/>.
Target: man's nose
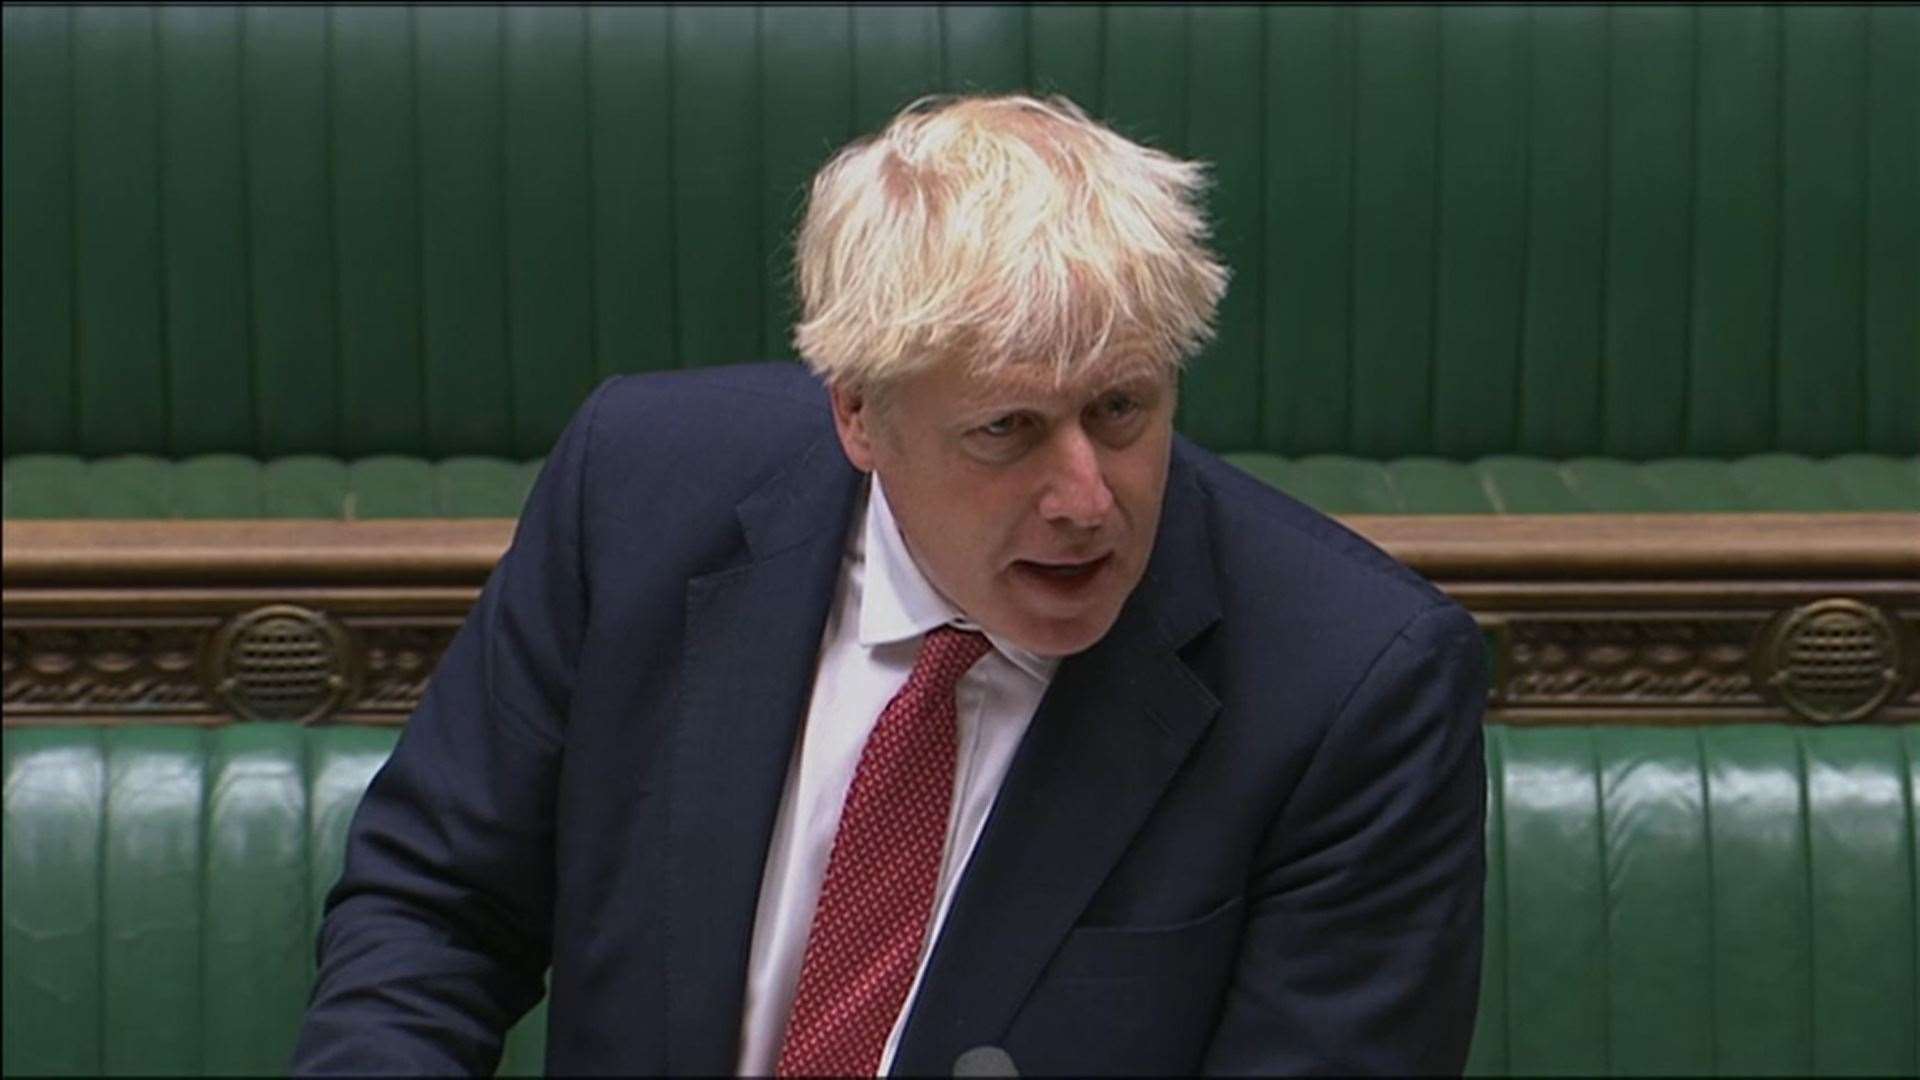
<point x="1076" y="492"/>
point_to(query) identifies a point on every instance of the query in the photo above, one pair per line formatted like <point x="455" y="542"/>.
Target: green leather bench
<point x="362" y="262"/>
<point x="228" y="486"/>
<point x="1487" y="259"/>
<point x="1714" y="901"/>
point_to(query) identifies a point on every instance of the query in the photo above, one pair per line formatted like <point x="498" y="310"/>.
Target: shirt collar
<point x="898" y="602"/>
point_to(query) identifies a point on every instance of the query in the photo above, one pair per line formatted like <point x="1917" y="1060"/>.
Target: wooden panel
<point x="1444" y="547"/>
<point x="1662" y="619"/>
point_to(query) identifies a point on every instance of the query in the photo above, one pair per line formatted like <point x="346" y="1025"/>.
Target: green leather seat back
<point x="1550" y="231"/>
<point x="163" y="893"/>
<point x="1732" y="900"/>
<point x="233" y="486"/>
<point x="310" y="486"/>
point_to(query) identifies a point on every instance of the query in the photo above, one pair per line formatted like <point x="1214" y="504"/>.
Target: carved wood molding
<point x="1717" y="618"/>
<point x="90" y="670"/>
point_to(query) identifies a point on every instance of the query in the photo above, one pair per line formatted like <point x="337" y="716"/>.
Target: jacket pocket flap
<point x="1111" y="952"/>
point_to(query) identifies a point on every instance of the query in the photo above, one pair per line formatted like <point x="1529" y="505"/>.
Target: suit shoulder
<point x="770" y="389"/>
<point x="738" y="422"/>
<point x="1277" y="547"/>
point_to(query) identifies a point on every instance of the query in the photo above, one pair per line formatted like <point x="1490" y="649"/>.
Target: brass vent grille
<point x="282" y="662"/>
<point x="1832" y="661"/>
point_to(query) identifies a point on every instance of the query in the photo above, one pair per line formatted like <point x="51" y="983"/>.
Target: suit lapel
<point x="1112" y="730"/>
<point x="752" y="640"/>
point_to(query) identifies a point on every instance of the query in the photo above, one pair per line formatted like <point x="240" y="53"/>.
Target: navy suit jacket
<point x="1243" y="832"/>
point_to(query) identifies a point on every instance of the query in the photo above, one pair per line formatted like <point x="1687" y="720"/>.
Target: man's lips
<point x="1062" y="568"/>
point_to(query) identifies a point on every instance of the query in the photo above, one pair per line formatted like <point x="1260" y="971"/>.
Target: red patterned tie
<point x="871" y="920"/>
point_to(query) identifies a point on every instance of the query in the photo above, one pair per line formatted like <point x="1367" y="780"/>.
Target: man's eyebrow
<point x="1140" y="380"/>
<point x="1037" y="398"/>
<point x="1131" y="378"/>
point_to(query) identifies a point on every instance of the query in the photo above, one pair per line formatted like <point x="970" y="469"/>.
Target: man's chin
<point x="1055" y="620"/>
<point x="1055" y="637"/>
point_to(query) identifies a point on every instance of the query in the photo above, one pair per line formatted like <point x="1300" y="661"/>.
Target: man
<point x="940" y="698"/>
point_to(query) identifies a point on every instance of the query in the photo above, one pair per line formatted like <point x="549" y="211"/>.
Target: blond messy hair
<point x="1006" y="230"/>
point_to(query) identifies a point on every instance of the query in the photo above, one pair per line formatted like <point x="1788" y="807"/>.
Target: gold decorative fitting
<point x="282" y="662"/>
<point x="1831" y="661"/>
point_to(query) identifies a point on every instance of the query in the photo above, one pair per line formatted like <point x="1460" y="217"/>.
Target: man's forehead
<point x="1037" y="382"/>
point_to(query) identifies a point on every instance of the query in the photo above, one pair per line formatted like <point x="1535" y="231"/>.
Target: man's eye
<point x="1119" y="407"/>
<point x="1001" y="428"/>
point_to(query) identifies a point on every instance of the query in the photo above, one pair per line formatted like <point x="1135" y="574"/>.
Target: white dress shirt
<point x="881" y="609"/>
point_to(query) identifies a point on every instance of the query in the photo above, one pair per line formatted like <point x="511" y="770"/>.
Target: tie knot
<point x="946" y="654"/>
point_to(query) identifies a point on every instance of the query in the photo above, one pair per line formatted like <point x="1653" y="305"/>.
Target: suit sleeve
<point x="1362" y="950"/>
<point x="437" y="935"/>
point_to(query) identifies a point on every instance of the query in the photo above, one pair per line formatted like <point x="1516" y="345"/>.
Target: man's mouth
<point x="1067" y="574"/>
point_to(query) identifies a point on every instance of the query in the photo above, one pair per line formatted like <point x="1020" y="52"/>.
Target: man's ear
<point x="853" y="420"/>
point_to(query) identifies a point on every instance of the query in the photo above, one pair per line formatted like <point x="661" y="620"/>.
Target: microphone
<point x="984" y="1061"/>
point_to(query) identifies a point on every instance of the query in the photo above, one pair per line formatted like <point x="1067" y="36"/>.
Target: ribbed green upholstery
<point x="1507" y="484"/>
<point x="230" y="486"/>
<point x="1731" y="900"/>
<point x="1550" y="231"/>
<point x="163" y="890"/>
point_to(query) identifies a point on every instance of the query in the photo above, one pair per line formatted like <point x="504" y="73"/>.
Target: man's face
<point x="1033" y="509"/>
